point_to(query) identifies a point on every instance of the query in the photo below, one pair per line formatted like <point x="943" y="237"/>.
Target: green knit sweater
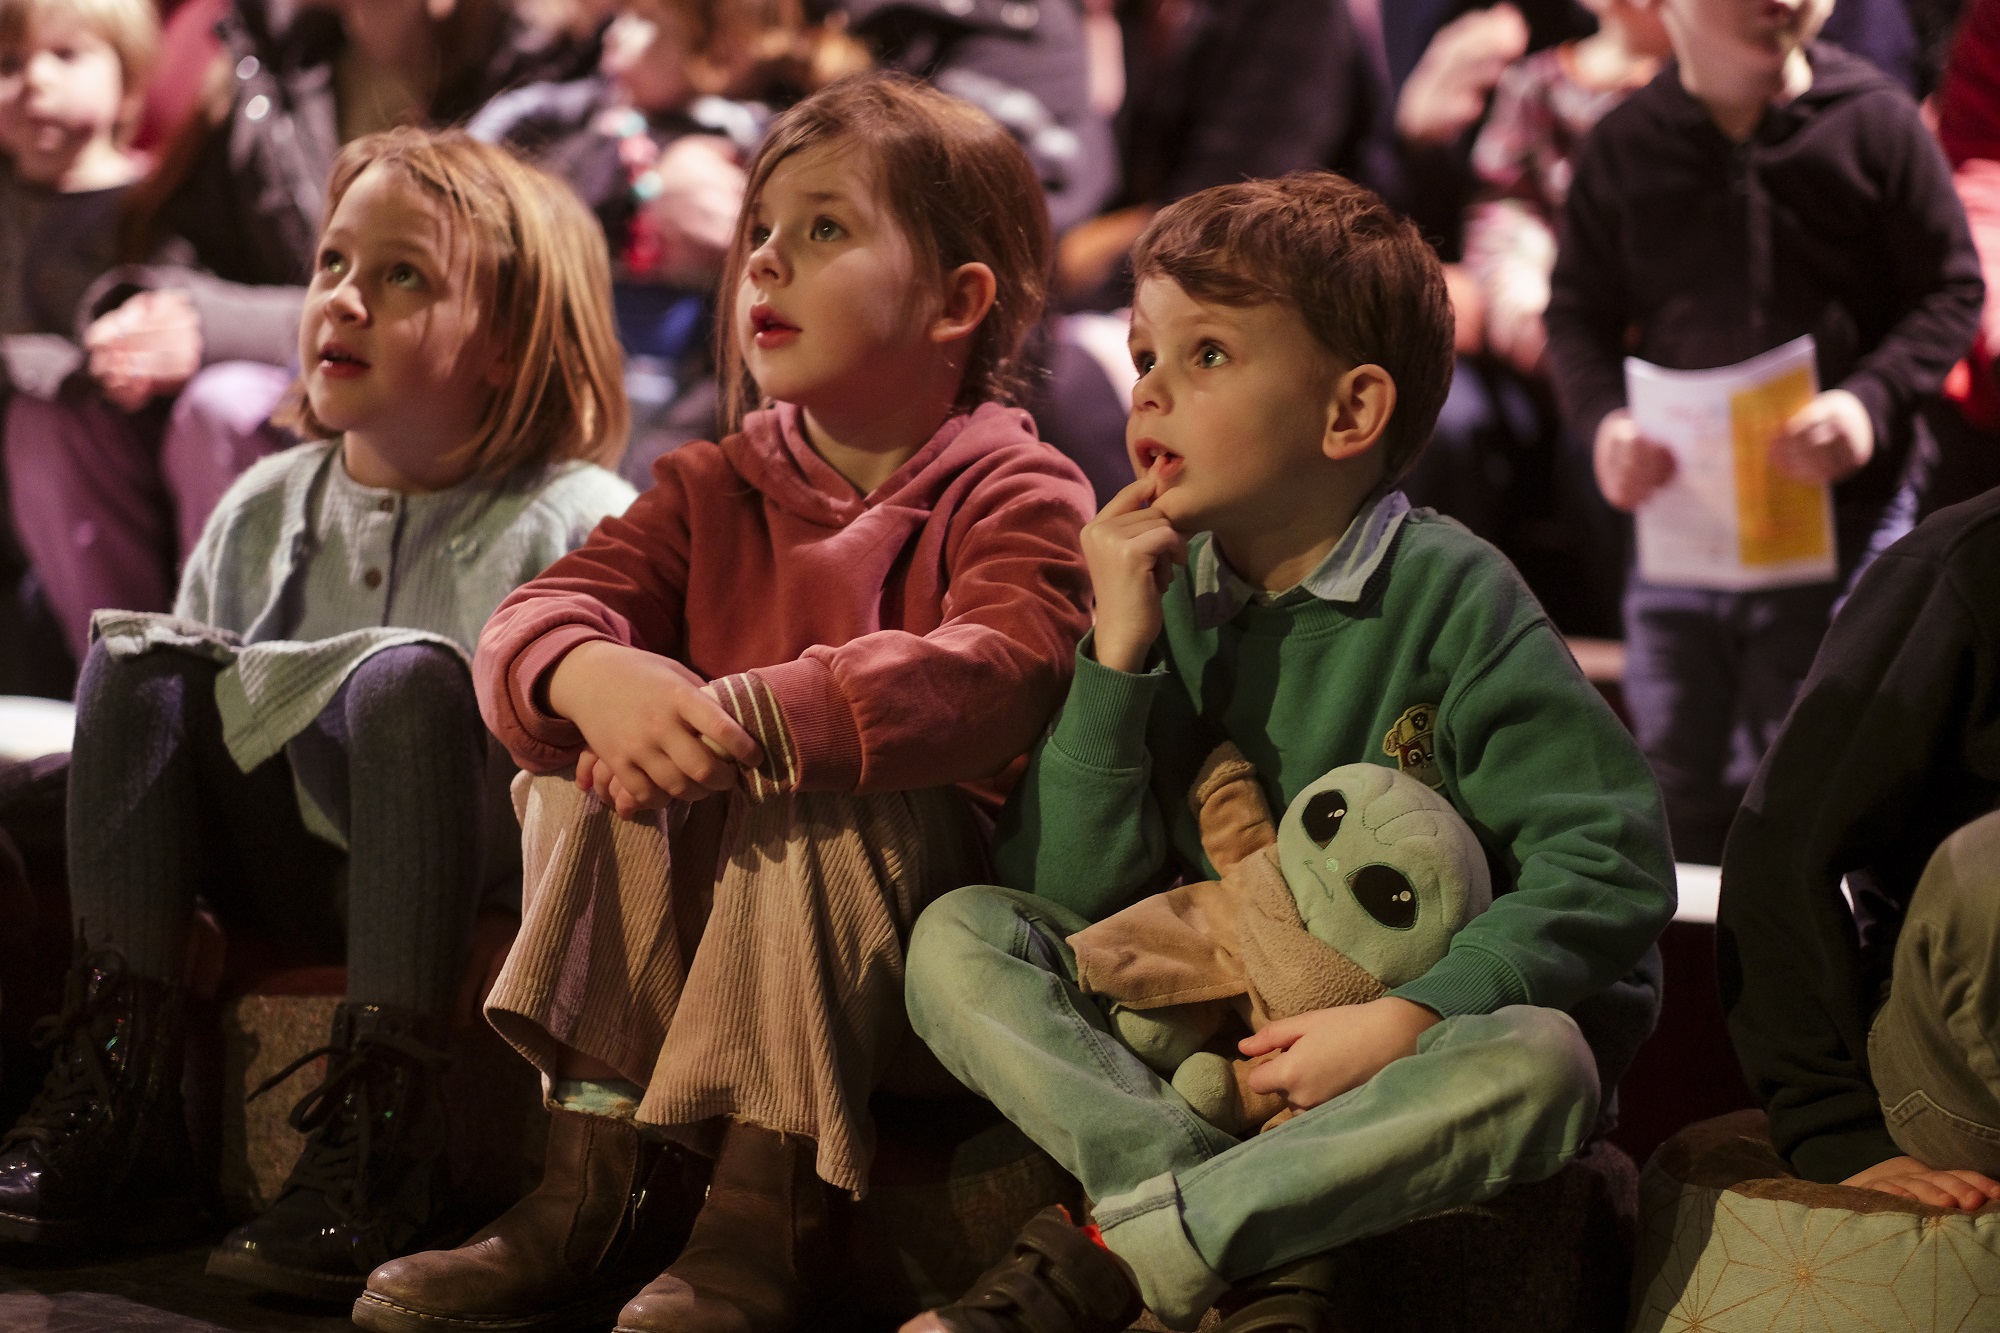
<point x="1445" y="665"/>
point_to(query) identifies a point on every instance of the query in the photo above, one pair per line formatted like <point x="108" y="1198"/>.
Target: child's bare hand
<point x="1131" y="550"/>
<point x="694" y="214"/>
<point x="1829" y="439"/>
<point x="1911" y="1179"/>
<point x="594" y="776"/>
<point x="1330" y="1051"/>
<point x="1446" y="92"/>
<point x="651" y="732"/>
<point x="148" y="346"/>
<point x="1629" y="466"/>
<point x="1514" y="325"/>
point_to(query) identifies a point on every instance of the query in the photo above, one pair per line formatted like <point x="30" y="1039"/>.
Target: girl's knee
<point x="411" y="690"/>
<point x="413" y="674"/>
<point x="149" y="680"/>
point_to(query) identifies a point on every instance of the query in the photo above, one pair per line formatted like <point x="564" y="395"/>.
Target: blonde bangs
<point x="542" y="276"/>
<point x="131" y="28"/>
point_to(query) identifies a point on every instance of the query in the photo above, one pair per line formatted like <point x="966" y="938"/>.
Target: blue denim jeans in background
<point x="1709" y="678"/>
<point x="1489" y="1100"/>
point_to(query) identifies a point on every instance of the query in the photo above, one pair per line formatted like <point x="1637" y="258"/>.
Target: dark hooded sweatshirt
<point x="1894" y="743"/>
<point x="1836" y="218"/>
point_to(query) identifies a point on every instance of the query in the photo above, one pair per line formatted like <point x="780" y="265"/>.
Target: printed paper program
<point x="1731" y="518"/>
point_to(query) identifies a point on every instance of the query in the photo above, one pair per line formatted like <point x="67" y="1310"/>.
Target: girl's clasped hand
<point x="839" y="309"/>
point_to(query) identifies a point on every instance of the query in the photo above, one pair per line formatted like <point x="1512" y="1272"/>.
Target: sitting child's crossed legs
<point x="1488" y="1101"/>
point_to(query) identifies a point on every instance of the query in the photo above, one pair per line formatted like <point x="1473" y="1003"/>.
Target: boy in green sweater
<point x="1294" y="342"/>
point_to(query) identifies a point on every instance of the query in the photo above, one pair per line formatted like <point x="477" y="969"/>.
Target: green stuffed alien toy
<point x="1358" y="889"/>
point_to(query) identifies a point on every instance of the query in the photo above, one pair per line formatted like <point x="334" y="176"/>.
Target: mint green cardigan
<point x="461" y="551"/>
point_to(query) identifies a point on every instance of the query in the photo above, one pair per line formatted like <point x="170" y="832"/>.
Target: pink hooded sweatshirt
<point x="919" y="636"/>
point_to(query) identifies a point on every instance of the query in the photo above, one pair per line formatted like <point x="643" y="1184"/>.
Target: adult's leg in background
<point x="1778" y="634"/>
<point x="219" y="426"/>
<point x="1682" y="667"/>
<point x="89" y="507"/>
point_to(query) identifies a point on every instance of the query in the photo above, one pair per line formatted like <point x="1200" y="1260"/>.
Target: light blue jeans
<point x="1488" y="1100"/>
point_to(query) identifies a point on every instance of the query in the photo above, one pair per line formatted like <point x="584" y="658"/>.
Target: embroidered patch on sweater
<point x="1411" y="744"/>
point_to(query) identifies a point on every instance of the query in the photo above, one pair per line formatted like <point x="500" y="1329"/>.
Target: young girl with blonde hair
<point x="299" y="743"/>
<point x="801" y="668"/>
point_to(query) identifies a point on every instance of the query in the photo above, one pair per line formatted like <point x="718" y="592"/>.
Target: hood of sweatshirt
<point x="772" y="453"/>
<point x="1837" y="76"/>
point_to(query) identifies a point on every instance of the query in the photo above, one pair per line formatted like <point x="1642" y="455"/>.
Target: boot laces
<point x="365" y="1094"/>
<point x="77" y="1079"/>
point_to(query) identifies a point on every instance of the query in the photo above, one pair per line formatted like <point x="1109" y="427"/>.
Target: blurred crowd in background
<point x="150" y="287"/>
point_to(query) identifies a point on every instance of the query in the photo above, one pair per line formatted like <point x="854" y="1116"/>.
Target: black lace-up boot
<point x="102" y="1152"/>
<point x="370" y="1183"/>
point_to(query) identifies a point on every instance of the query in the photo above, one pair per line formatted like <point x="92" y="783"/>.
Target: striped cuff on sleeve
<point x="750" y="701"/>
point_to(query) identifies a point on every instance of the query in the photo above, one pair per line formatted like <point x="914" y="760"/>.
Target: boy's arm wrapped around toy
<point x="1559" y="795"/>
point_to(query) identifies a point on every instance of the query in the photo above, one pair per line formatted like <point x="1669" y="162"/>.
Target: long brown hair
<point x="544" y="282"/>
<point x="960" y="186"/>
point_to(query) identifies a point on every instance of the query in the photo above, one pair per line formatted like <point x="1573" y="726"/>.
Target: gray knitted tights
<point x="159" y="813"/>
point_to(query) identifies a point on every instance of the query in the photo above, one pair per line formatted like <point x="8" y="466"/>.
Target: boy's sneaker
<point x="1057" y="1279"/>
<point x="1293" y="1299"/>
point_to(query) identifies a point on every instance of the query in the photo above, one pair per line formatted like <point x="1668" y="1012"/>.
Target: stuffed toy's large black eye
<point x="1386" y="895"/>
<point x="1323" y="815"/>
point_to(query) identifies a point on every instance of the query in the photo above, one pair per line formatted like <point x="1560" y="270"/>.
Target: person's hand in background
<point x="149" y="346"/>
<point x="1446" y="93"/>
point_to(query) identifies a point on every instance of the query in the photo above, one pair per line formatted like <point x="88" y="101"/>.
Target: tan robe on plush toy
<point x="1221" y="949"/>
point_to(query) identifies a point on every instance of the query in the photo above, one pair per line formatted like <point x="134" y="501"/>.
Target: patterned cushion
<point x="1730" y="1241"/>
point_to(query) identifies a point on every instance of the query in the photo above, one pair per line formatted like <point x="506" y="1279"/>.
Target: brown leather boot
<point x="612" y="1208"/>
<point x="766" y="1242"/>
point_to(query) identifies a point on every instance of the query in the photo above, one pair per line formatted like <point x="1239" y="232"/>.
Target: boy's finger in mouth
<point x="1155" y="460"/>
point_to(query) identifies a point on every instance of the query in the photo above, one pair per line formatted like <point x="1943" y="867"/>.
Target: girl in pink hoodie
<point x="769" y="710"/>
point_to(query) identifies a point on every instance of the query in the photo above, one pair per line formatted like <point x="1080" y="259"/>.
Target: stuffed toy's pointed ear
<point x="1235" y="818"/>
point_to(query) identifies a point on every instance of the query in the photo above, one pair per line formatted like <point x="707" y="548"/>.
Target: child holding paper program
<point x="1763" y="187"/>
